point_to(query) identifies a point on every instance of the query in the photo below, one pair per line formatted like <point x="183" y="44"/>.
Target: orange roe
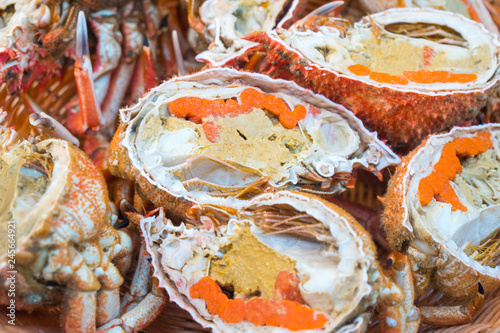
<point x="437" y="184"/>
<point x="388" y="78"/>
<point x="211" y="131"/>
<point x="421" y="76"/>
<point x="359" y="70"/>
<point x="196" y="109"/>
<point x="258" y="311"/>
<point x="287" y="287"/>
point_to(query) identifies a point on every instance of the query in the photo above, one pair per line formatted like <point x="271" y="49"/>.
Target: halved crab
<point x="405" y="72"/>
<point x="218" y="25"/>
<point x="228" y="134"/>
<point x="443" y="209"/>
<point x="280" y="262"/>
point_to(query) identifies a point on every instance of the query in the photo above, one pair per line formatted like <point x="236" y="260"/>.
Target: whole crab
<point x="66" y="250"/>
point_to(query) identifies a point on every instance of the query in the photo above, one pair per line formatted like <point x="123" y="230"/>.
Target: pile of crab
<point x="326" y="167"/>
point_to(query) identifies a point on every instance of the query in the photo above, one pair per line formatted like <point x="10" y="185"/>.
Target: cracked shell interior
<point x="417" y="48"/>
<point x="253" y="147"/>
<point x="332" y="257"/>
<point x="472" y="234"/>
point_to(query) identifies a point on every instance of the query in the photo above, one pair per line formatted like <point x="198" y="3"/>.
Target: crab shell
<point x="64" y="239"/>
<point x="434" y="235"/>
<point x="473" y="9"/>
<point x="402" y="114"/>
<point x="128" y="160"/>
<point x="182" y="260"/>
<point x="217" y="28"/>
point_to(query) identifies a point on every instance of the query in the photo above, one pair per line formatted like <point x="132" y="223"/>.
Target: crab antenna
<point x="181" y="69"/>
<point x="90" y="116"/>
<point x="40" y="119"/>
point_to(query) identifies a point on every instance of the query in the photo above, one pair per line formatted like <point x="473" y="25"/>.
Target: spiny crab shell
<point x="172" y="159"/>
<point x="218" y="25"/>
<point x="405" y="72"/>
<point x="451" y="248"/>
<point x="58" y="204"/>
<point x="330" y="253"/>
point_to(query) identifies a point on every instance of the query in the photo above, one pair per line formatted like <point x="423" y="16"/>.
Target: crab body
<point x="451" y="240"/>
<point x="67" y="251"/>
<point x="227" y="134"/>
<point x="307" y="240"/>
<point x="402" y="105"/>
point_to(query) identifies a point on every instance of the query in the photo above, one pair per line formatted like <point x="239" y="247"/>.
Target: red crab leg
<point x="144" y="78"/>
<point x="76" y="315"/>
<point x="402" y="317"/>
<point x="89" y="115"/>
<point x="453" y="315"/>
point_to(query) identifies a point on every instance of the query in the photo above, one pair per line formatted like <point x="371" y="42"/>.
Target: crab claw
<point x="89" y="115"/>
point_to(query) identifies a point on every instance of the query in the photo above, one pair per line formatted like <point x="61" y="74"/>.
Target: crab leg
<point x="139" y="314"/>
<point x="453" y="315"/>
<point x="105" y="26"/>
<point x="76" y="315"/>
<point x="123" y="73"/>
<point x="89" y="115"/>
<point x="402" y="317"/>
<point x="144" y="78"/>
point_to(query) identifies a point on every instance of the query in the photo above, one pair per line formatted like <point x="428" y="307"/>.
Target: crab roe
<point x="285" y="313"/>
<point x="437" y="184"/>
<point x="422" y="76"/>
<point x="196" y="109"/>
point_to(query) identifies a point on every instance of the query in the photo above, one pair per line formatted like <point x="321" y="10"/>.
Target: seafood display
<point x="303" y="166"/>
<point x="288" y="260"/>
<point x="442" y="209"/>
<point x="225" y="133"/>
<point x="401" y="71"/>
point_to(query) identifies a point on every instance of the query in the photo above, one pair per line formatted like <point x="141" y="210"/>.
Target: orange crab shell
<point x="75" y="210"/>
<point x="452" y="275"/>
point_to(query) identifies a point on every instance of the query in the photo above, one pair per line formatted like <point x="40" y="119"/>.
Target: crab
<point x="441" y="209"/>
<point x="280" y="262"/>
<point x="66" y="251"/>
<point x="402" y="100"/>
<point x="246" y="134"/>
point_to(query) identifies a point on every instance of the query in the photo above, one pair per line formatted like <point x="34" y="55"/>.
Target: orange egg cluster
<point x="196" y="109"/>
<point x="284" y="313"/>
<point x="437" y="184"/>
<point x="422" y="76"/>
